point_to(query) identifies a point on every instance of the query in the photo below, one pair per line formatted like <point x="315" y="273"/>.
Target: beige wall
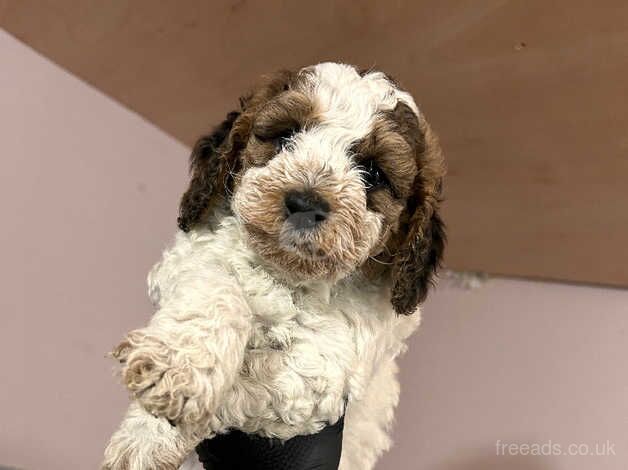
<point x="527" y="96"/>
<point x="88" y="199"/>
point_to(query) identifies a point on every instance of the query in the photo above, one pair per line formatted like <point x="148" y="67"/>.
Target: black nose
<point x="305" y="210"/>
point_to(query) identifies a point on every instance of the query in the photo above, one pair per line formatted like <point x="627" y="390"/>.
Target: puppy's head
<point x="329" y="170"/>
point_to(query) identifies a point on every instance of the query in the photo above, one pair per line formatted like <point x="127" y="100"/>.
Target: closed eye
<point x="278" y="139"/>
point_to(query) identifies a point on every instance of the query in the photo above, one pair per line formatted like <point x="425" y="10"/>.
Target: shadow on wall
<point x="491" y="461"/>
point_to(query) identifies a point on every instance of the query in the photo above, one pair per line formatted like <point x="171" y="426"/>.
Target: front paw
<point x="168" y="383"/>
<point x="131" y="459"/>
<point x="144" y="442"/>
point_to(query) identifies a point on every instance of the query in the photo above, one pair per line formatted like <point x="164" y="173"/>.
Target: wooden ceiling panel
<point x="529" y="98"/>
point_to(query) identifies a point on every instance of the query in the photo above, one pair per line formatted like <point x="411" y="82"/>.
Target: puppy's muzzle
<point x="305" y="210"/>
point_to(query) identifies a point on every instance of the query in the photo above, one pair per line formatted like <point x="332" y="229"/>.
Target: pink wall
<point x="88" y="198"/>
<point x="516" y="361"/>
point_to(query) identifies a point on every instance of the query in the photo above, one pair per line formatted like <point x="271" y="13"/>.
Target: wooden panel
<point x="529" y="98"/>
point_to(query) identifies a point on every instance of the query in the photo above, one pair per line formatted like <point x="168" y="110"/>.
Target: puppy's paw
<point x="172" y="383"/>
<point x="132" y="460"/>
<point x="144" y="442"/>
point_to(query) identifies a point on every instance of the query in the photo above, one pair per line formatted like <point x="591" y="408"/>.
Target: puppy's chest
<point x="314" y="334"/>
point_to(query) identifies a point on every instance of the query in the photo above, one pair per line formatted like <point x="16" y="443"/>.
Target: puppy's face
<point x="329" y="171"/>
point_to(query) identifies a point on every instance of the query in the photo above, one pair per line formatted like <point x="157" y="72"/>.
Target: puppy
<point x="310" y="233"/>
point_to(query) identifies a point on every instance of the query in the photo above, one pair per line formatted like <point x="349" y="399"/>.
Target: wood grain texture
<point x="529" y="98"/>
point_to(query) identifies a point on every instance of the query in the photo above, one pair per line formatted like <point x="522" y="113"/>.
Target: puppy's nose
<point x="305" y="210"/>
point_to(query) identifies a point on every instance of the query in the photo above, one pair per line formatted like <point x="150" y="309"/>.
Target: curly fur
<point x="210" y="168"/>
<point x="272" y="331"/>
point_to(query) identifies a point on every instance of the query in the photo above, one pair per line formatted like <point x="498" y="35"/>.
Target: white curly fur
<point x="250" y="352"/>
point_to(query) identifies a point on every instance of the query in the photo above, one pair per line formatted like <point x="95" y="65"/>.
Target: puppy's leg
<point x="144" y="442"/>
<point x="180" y="365"/>
<point x="368" y="420"/>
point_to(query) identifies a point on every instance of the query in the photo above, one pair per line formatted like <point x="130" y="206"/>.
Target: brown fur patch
<point x="413" y="236"/>
<point x="393" y="152"/>
<point x="286" y="113"/>
<point x="216" y="161"/>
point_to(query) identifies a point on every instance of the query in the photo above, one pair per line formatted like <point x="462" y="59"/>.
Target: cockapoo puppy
<point x="310" y="233"/>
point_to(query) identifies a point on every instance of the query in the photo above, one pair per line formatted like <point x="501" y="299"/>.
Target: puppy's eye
<point x="373" y="176"/>
<point x="279" y="140"/>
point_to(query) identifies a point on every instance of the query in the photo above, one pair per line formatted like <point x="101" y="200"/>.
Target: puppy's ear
<point x="213" y="162"/>
<point x="423" y="241"/>
<point x="216" y="157"/>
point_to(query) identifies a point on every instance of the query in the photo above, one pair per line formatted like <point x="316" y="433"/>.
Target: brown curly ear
<point x="216" y="157"/>
<point x="416" y="265"/>
<point x="421" y="250"/>
<point x="212" y="162"/>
